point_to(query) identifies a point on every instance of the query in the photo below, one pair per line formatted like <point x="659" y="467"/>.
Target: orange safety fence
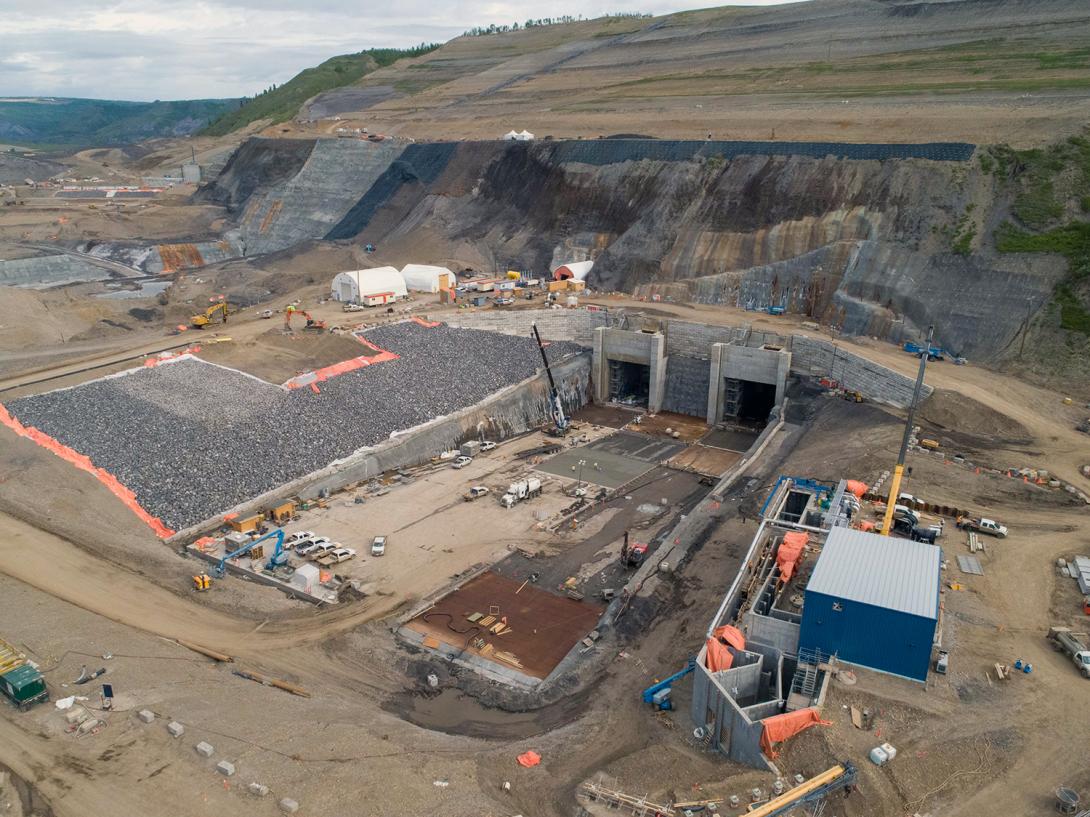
<point x="152" y="362"/>
<point x="318" y="375"/>
<point x="856" y="487"/>
<point x="113" y="485"/>
<point x="422" y="322"/>
<point x="730" y="634"/>
<point x="779" y="728"/>
<point x="719" y="657"/>
<point x="790" y="553"/>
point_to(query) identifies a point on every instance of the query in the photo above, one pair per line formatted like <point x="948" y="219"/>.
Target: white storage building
<point x="426" y="278"/>
<point x="368" y="286"/>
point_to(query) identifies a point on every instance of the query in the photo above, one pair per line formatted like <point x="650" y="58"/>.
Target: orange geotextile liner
<point x="719" y="657"/>
<point x="422" y="322"/>
<point x="790" y="553"/>
<point x="856" y="487"/>
<point x="325" y="373"/>
<point x="731" y="635"/>
<point x="779" y="728"/>
<point x="84" y="464"/>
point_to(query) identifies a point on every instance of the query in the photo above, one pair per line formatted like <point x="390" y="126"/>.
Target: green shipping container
<point x="24" y="685"/>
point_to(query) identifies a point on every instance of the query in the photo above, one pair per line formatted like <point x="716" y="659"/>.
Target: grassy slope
<point x="84" y="122"/>
<point x="282" y="103"/>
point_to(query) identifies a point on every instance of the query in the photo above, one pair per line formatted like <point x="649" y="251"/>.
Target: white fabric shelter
<point x="427" y="278"/>
<point x="579" y="270"/>
<point x="353" y="286"/>
<point x="524" y="136"/>
<point x="510" y="136"/>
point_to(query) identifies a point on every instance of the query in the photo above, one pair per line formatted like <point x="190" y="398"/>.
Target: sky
<point x="197" y="49"/>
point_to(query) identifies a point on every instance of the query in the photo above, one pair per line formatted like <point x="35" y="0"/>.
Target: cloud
<point x="169" y="49"/>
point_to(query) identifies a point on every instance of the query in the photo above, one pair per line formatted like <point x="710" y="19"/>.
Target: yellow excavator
<point x="218" y="310"/>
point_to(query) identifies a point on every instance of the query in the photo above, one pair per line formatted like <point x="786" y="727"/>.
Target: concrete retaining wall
<point x="822" y="358"/>
<point x="576" y="325"/>
<point x="510" y="411"/>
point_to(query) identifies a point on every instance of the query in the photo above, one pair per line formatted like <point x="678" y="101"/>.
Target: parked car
<point x="378" y="546"/>
<point x="462" y="462"/>
<point x="983" y="526"/>
<point x="337" y="555"/>
<point x="487" y="445"/>
<point x="476" y="492"/>
<point x="315" y="544"/>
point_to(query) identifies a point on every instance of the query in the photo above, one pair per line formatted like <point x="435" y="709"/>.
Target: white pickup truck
<point x="1066" y="641"/>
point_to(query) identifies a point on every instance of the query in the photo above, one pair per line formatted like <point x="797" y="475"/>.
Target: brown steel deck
<point x="544" y="626"/>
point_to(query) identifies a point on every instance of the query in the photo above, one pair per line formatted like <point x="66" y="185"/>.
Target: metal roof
<point x="895" y="574"/>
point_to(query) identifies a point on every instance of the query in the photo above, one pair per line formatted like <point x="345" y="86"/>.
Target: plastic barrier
<point x="422" y="322"/>
<point x="84" y="464"/>
<point x="779" y="728"/>
<point x="731" y="635"/>
<point x="318" y="375"/>
<point x="719" y="657"/>
<point x="790" y="552"/>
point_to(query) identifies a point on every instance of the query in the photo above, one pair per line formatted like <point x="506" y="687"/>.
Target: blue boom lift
<point x="278" y="558"/>
<point x="659" y="694"/>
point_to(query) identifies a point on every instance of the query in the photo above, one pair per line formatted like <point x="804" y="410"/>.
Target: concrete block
<point x="146" y="715"/>
<point x="226" y="768"/>
<point x="257" y="789"/>
<point x="205" y="749"/>
<point x="175" y="729"/>
<point x="289" y="806"/>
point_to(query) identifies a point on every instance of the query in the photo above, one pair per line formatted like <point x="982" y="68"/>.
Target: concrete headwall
<point x="511" y="411"/>
<point x="822" y="358"/>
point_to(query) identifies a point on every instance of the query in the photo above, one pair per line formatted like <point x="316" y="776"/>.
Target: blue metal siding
<point x="886" y="640"/>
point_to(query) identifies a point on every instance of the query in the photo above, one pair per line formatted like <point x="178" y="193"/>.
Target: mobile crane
<point x="561" y="425"/>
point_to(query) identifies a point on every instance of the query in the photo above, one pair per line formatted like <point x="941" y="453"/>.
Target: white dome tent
<point x="577" y="270"/>
<point x="377" y="285"/>
<point x="510" y="136"/>
<point x="426" y="278"/>
<point x="524" y="136"/>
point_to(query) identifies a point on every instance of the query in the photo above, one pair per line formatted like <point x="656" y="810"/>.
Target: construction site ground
<point x="98" y="583"/>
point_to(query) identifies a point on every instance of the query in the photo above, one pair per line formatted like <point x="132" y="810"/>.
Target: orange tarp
<point x="318" y="375"/>
<point x="856" y="487"/>
<point x="84" y="464"/>
<point x="422" y="322"/>
<point x="790" y="553"/>
<point x="779" y="728"/>
<point x="731" y="635"/>
<point x="529" y="759"/>
<point x="719" y="657"/>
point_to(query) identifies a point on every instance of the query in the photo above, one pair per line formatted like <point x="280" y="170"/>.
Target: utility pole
<point x="899" y="469"/>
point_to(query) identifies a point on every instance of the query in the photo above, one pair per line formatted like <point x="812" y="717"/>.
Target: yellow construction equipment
<point x="899" y="469"/>
<point x="221" y="310"/>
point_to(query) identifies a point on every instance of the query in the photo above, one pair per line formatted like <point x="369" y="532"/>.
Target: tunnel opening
<point x="629" y="383"/>
<point x="748" y="401"/>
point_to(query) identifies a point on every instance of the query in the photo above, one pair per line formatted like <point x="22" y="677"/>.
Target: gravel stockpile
<point x="192" y="439"/>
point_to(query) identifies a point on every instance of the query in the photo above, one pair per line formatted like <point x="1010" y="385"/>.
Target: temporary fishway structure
<point x="426" y="278"/>
<point x="577" y="270"/>
<point x="354" y="286"/>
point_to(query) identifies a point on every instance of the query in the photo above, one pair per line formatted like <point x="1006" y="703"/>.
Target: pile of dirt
<point x="968" y="421"/>
<point x="276" y="356"/>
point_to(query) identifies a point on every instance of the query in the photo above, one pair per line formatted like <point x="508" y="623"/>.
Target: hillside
<point x="280" y="103"/>
<point x="1015" y="71"/>
<point x="86" y="122"/>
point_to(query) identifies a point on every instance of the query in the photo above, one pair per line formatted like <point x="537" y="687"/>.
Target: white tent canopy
<point x="510" y="136"/>
<point x="426" y="278"/>
<point x="355" y="285"/>
<point x="579" y="270"/>
<point x="524" y="136"/>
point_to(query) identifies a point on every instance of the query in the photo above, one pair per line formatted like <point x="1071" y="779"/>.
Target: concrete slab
<point x="691" y="429"/>
<point x="731" y="439"/>
<point x="543" y="626"/>
<point x="639" y="446"/>
<point x="704" y="460"/>
<point x="601" y="467"/>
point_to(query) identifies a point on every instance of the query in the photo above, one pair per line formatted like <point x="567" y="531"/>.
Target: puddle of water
<point x="148" y="289"/>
